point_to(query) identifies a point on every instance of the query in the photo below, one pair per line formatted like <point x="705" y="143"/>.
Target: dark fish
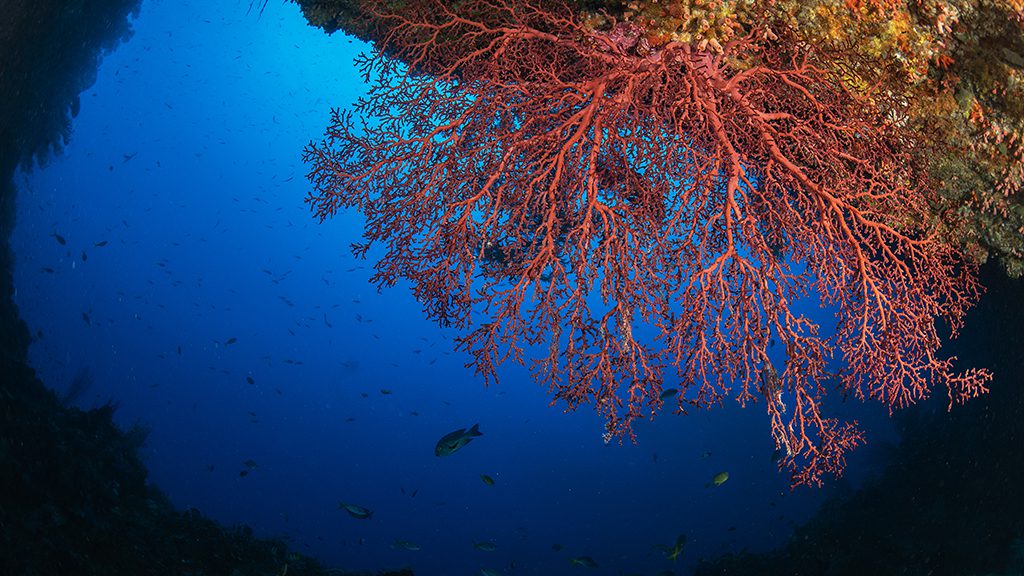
<point x="85" y="316"/>
<point x="406" y="545"/>
<point x="585" y="561"/>
<point x="230" y="341"/>
<point x="48" y="270"/>
<point x="243" y="473"/>
<point x="669" y="393"/>
<point x="453" y="441"/>
<point x="355" y="511"/>
<point x="250" y="380"/>
<point x="84" y="256"/>
<point x="60" y="239"/>
<point x="487" y="479"/>
<point x="674" y="552"/>
<point x="100" y="244"/>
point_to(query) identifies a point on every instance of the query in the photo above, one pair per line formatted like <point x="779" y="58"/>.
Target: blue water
<point x="222" y="316"/>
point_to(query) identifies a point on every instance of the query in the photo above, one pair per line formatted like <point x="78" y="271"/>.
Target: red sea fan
<point x="638" y="214"/>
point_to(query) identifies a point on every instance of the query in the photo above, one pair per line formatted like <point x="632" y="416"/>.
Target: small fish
<point x="85" y="316"/>
<point x="556" y="547"/>
<point x="675" y="551"/>
<point x="243" y="473"/>
<point x="85" y="257"/>
<point x="453" y="441"/>
<point x="669" y="393"/>
<point x="718" y="480"/>
<point x="250" y="463"/>
<point x="406" y="545"/>
<point x="230" y="341"/>
<point x="487" y="479"/>
<point x="385" y="391"/>
<point x="355" y="511"/>
<point x="585" y="561"/>
<point x="60" y="239"/>
<point x="250" y="380"/>
<point x="485" y="546"/>
<point x="48" y="270"/>
<point x="100" y="244"/>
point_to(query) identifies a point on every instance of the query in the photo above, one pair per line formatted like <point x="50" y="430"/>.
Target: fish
<point x="487" y="479"/>
<point x="675" y="551"/>
<point x="406" y="545"/>
<point x="485" y="546"/>
<point x="60" y="239"/>
<point x="355" y="511"/>
<point x="250" y="463"/>
<point x="230" y="341"/>
<point x="490" y="572"/>
<point x="453" y="441"/>
<point x="718" y="479"/>
<point x="668" y="393"/>
<point x="585" y="561"/>
<point x="250" y="380"/>
<point x="100" y="244"/>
